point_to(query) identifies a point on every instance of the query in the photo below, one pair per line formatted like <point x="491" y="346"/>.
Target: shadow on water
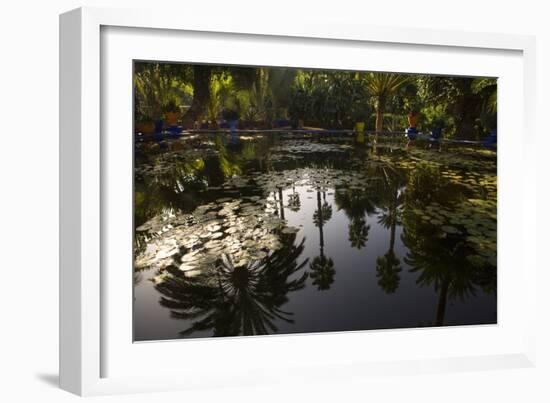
<point x="232" y="299"/>
<point x="261" y="237"/>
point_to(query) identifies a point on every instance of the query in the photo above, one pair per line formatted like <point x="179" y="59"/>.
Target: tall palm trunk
<point x="201" y="94"/>
<point x="380" y="110"/>
<point x="281" y="204"/>
<point x="466" y="111"/>
<point x="393" y="213"/>
<point x="392" y="235"/>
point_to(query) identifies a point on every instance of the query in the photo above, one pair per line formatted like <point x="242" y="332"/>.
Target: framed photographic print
<point x="255" y="195"/>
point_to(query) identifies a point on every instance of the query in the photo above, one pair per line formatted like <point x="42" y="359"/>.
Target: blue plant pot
<point x="233" y="125"/>
<point x="159" y="124"/>
<point x="411" y="133"/>
<point x="175" y="130"/>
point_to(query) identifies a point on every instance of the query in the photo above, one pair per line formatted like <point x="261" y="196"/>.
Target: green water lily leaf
<point x="450" y="229"/>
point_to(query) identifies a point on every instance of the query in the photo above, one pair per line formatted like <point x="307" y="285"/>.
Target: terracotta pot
<point x="172" y="118"/>
<point x="145" y="127"/>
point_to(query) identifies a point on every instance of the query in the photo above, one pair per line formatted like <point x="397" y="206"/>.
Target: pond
<point x="277" y="234"/>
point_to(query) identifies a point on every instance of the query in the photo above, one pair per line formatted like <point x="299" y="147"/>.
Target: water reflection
<point x="322" y="267"/>
<point x="231" y="299"/>
<point x="228" y="234"/>
<point x="443" y="258"/>
<point x="388" y="266"/>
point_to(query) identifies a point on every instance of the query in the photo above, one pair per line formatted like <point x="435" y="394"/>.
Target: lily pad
<point x="450" y="229"/>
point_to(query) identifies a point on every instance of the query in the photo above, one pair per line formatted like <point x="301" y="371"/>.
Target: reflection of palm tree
<point x="388" y="266"/>
<point x="356" y="203"/>
<point x="323" y="212"/>
<point x="450" y="274"/>
<point x="236" y="300"/>
<point x="358" y="232"/>
<point x="294" y="202"/>
<point x="322" y="271"/>
<point x="440" y="261"/>
<point x="322" y="267"/>
<point x="281" y="204"/>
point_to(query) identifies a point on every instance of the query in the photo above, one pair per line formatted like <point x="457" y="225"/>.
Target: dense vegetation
<point x="206" y="95"/>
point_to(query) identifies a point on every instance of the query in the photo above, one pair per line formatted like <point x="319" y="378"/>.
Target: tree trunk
<point x="320" y="210"/>
<point x="442" y="303"/>
<point x="281" y="204"/>
<point x="201" y="94"/>
<point x="392" y="233"/>
<point x="467" y="111"/>
<point x="380" y="109"/>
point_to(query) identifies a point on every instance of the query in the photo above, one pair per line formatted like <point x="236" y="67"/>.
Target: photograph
<point x="275" y="200"/>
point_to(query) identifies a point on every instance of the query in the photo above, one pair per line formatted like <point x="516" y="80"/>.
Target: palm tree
<point x="382" y="86"/>
<point x="322" y="267"/>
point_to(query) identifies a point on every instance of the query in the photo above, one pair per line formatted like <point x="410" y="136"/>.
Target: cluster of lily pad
<point x="162" y="164"/>
<point x="308" y="146"/>
<point x="470" y="216"/>
<point x="247" y="229"/>
<point x="317" y="179"/>
<point x="472" y="160"/>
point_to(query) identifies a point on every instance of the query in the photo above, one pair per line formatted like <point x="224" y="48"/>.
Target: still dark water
<point x="282" y="234"/>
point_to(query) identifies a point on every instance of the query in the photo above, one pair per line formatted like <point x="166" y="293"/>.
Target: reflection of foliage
<point x="388" y="268"/>
<point x="358" y="232"/>
<point x="322" y="214"/>
<point x="294" y="202"/>
<point x="322" y="268"/>
<point x="169" y="190"/>
<point x="355" y="203"/>
<point x="426" y="184"/>
<point x="365" y="187"/>
<point x="322" y="272"/>
<point x="230" y="164"/>
<point x="441" y="263"/>
<point x="242" y="300"/>
<point x="442" y="257"/>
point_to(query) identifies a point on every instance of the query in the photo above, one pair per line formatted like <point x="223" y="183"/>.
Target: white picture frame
<point x="89" y="336"/>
